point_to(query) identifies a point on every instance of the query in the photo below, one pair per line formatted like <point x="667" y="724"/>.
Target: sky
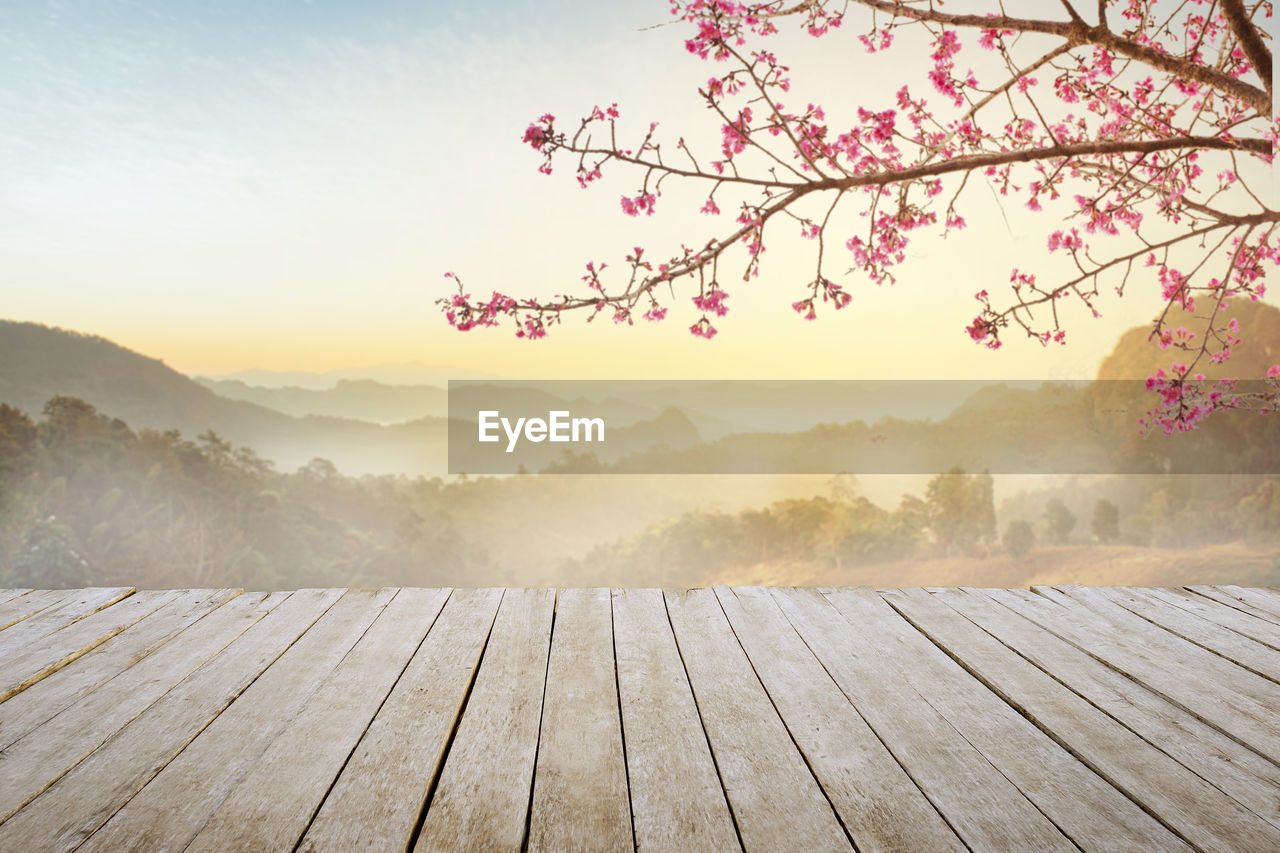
<point x="280" y="184"/>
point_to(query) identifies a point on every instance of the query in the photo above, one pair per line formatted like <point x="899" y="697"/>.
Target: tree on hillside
<point x="1019" y="538"/>
<point x="1147" y="124"/>
<point x="1059" y="520"/>
<point x="960" y="509"/>
<point x="18" y="437"/>
<point x="48" y="559"/>
<point x="1106" y="521"/>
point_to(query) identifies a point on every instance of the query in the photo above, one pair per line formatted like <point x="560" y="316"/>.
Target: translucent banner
<point x="830" y="427"/>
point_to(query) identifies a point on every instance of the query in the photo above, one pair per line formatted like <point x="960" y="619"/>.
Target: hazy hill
<point x="355" y="399"/>
<point x="408" y="373"/>
<point x="37" y="362"/>
<point x="1017" y="427"/>
<point x="1120" y="397"/>
<point x="1134" y="357"/>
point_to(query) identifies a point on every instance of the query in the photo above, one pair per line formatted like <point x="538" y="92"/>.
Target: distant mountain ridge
<point x="293" y="425"/>
<point x="411" y="373"/>
<point x="354" y="399"/>
<point x="37" y="362"/>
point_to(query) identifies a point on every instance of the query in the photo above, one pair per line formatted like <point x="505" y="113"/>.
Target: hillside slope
<point x="37" y="362"/>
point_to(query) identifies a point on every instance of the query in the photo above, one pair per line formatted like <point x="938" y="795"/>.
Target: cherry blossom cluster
<point x="1143" y="123"/>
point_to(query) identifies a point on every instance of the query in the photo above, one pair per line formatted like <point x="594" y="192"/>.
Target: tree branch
<point x="1247" y="33"/>
<point x="1078" y="33"/>
<point x="982" y="161"/>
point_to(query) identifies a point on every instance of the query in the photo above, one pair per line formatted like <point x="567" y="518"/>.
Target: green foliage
<point x="835" y="533"/>
<point x="1059" y="521"/>
<point x="1106" y="521"/>
<point x="1019" y="538"/>
<point x="1258" y="512"/>
<point x="88" y="500"/>
<point x="48" y="558"/>
<point x="961" y="509"/>
<point x="18" y="437"/>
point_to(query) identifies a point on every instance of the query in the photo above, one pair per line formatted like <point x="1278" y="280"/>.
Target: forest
<point x="87" y="500"/>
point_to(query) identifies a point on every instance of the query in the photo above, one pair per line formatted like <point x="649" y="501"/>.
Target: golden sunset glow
<point x="292" y="199"/>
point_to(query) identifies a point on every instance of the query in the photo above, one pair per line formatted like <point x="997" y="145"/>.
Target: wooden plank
<point x="677" y="801"/>
<point x="1172" y="650"/>
<point x="376" y="801"/>
<point x="1085" y="807"/>
<point x="38" y="759"/>
<point x="1199" y="813"/>
<point x="776" y="802"/>
<point x="35" y="601"/>
<point x="1263" y="599"/>
<point x="10" y="594"/>
<point x="180" y="799"/>
<point x="1256" y="657"/>
<point x="86" y="797"/>
<point x="1267" y="633"/>
<point x="877" y="802"/>
<point x="1222" y="761"/>
<point x="580" y="798"/>
<point x="1238" y="716"/>
<point x="78" y="604"/>
<point x="1215" y="594"/>
<point x="984" y="808"/>
<point x="45" y="656"/>
<point x="482" y="801"/>
<point x="68" y="685"/>
<point x="275" y="801"/>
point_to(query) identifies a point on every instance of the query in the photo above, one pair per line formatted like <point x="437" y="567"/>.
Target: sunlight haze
<point x="282" y="185"/>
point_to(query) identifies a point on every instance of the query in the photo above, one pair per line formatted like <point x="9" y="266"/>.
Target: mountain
<point x="408" y="373"/>
<point x="354" y="399"/>
<point x="1120" y="396"/>
<point x="665" y="427"/>
<point x="1134" y="357"/>
<point x="37" y="362"/>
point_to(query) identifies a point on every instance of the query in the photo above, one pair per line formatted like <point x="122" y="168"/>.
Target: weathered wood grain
<point x="1254" y="656"/>
<point x="30" y="603"/>
<point x="1266" y="600"/>
<point x="73" y="606"/>
<point x="10" y="594"/>
<point x="1083" y="805"/>
<point x="1174" y="651"/>
<point x="1267" y="633"/>
<point x="482" y="801"/>
<point x="677" y="801"/>
<point x="65" y="814"/>
<point x="41" y="658"/>
<point x="987" y="810"/>
<point x="36" y="760"/>
<point x="376" y="801"/>
<point x="68" y="685"/>
<point x="776" y="801"/>
<point x="1058" y="718"/>
<point x="273" y="804"/>
<point x="879" y="805"/>
<point x="1240" y="717"/>
<point x="1235" y="769"/>
<point x="180" y="799"/>
<point x="1216" y="594"/>
<point x="580" y="798"/>
<point x="1188" y="805"/>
